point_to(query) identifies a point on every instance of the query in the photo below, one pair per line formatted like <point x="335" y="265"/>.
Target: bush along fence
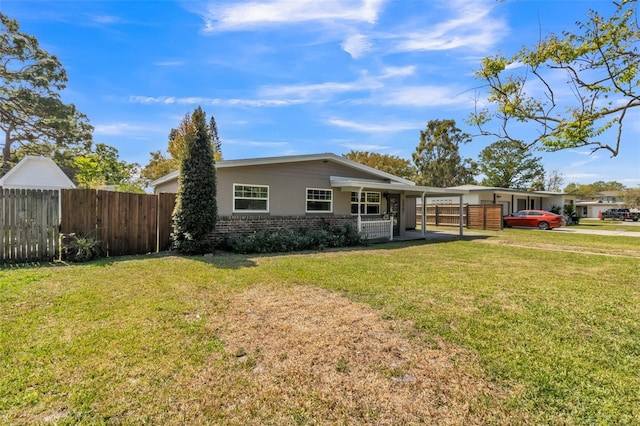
<point x="474" y="216"/>
<point x="29" y="225"/>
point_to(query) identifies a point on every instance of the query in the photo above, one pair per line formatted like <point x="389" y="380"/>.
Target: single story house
<point x="35" y="172"/>
<point x="512" y="200"/>
<point x="604" y="200"/>
<point x="303" y="191"/>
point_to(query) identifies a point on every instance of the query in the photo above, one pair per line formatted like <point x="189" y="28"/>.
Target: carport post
<point x="359" y="217"/>
<point x="424" y="215"/>
<point x="461" y="233"/>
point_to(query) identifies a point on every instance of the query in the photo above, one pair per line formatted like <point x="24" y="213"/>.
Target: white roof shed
<point x="34" y="172"/>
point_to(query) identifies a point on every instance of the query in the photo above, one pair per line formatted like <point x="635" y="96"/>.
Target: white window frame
<point x="235" y="210"/>
<point x="307" y="199"/>
<point x="366" y="203"/>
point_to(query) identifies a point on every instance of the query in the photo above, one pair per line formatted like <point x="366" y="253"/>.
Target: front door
<point x="394" y="209"/>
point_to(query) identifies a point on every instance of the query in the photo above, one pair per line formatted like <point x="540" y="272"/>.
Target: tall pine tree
<point x="437" y="157"/>
<point x="196" y="211"/>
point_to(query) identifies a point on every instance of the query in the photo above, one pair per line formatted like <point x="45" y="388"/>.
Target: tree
<point x="509" y="164"/>
<point x="216" y="143"/>
<point x="437" y="158"/>
<point x="195" y="213"/>
<point x="554" y="181"/>
<point x="601" y="66"/>
<point x="384" y="162"/>
<point x="33" y="119"/>
<point x="632" y="197"/>
<point x="160" y="165"/>
<point x="591" y="190"/>
<point x="102" y="167"/>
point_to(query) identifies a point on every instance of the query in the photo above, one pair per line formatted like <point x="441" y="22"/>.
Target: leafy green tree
<point x="591" y="190"/>
<point x="195" y="214"/>
<point x="437" y="157"/>
<point x="33" y="119"/>
<point x="600" y="63"/>
<point x="102" y="167"/>
<point x="384" y="162"/>
<point x="160" y="165"/>
<point x="509" y="164"/>
<point x="632" y="197"/>
<point x="216" y="143"/>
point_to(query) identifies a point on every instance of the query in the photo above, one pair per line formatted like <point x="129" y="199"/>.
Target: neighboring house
<point x="511" y="200"/>
<point x="602" y="201"/>
<point x="304" y="190"/>
<point x="36" y="173"/>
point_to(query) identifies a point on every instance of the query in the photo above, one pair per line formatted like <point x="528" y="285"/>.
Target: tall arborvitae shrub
<point x="195" y="214"/>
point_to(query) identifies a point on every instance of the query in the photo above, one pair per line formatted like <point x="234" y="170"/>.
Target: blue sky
<point x="285" y="77"/>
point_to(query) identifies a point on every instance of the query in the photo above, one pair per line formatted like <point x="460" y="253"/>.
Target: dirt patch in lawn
<point x="304" y="355"/>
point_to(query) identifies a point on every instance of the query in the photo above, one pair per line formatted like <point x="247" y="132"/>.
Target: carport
<point x="405" y="192"/>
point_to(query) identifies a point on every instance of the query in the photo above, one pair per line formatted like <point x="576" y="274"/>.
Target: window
<point x="369" y="203"/>
<point x="319" y="200"/>
<point x="250" y="198"/>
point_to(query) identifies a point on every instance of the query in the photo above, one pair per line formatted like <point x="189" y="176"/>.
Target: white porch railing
<point x="374" y="229"/>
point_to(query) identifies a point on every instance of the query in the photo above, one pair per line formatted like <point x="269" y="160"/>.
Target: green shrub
<point x="288" y="240"/>
<point x="81" y="248"/>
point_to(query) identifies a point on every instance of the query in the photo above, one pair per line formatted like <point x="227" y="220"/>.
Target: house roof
<point x="480" y="188"/>
<point x="353" y="185"/>
<point x="293" y="159"/>
<point x="49" y="175"/>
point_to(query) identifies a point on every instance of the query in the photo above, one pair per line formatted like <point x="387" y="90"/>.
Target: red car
<point x="540" y="219"/>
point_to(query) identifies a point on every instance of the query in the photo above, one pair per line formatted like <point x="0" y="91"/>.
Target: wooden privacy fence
<point x="474" y="216"/>
<point x="29" y="225"/>
<point x="125" y="223"/>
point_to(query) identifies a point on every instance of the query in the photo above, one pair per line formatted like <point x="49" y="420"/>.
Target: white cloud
<point x="170" y="100"/>
<point x="472" y="27"/>
<point x="422" y="96"/>
<point x="320" y="90"/>
<point x="357" y="45"/>
<point x="390" y="72"/>
<point x="176" y="63"/>
<point x="224" y="16"/>
<point x="326" y="90"/>
<point x="372" y="127"/>
<point x="105" y="19"/>
<point x="116" y="129"/>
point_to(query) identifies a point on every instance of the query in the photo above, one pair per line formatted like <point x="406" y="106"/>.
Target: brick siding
<point x="228" y="226"/>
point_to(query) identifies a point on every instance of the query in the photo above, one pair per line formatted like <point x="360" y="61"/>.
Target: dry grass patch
<point x="570" y="249"/>
<point x="309" y="356"/>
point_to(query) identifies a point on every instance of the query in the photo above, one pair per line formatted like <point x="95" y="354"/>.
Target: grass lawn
<point x="608" y="225"/>
<point x="516" y="327"/>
